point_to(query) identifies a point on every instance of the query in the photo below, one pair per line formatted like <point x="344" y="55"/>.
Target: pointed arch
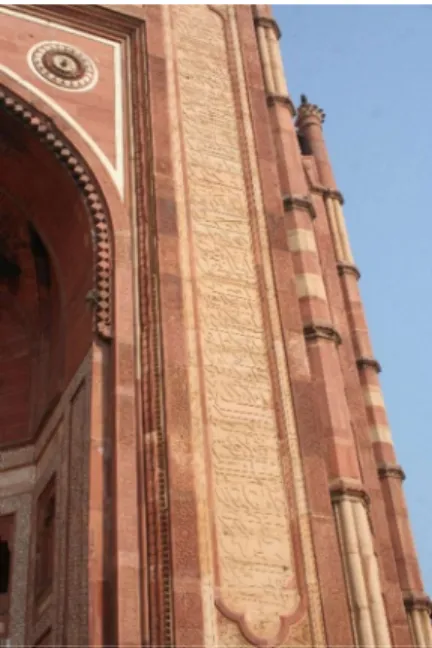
<point x="47" y="133"/>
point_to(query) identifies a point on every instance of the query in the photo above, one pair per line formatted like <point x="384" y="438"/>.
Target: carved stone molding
<point x="348" y="268"/>
<point x="19" y="505"/>
<point x="325" y="192"/>
<point x="299" y="202"/>
<point x="344" y="488"/>
<point x="265" y="21"/>
<point x="50" y="137"/>
<point x="333" y="193"/>
<point x="418" y="601"/>
<point x="322" y="331"/>
<point x="368" y="362"/>
<point x="390" y="470"/>
<point x="315" y="188"/>
<point x="306" y="110"/>
<point x="281" y="100"/>
<point x="103" y="21"/>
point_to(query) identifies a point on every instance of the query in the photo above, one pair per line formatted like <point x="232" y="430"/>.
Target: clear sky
<point x="370" y="69"/>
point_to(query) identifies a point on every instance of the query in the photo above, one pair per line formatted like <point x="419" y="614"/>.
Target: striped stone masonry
<point x="309" y="122"/>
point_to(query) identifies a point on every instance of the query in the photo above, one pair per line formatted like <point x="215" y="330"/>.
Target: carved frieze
<point x="254" y="563"/>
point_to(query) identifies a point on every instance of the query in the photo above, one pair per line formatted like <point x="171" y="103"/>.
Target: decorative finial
<point x="307" y="109"/>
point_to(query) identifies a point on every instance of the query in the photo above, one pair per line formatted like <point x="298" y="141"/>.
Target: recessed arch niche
<point x="55" y="310"/>
<point x="55" y="273"/>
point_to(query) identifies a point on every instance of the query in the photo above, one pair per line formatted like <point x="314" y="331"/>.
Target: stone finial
<point x="307" y="109"/>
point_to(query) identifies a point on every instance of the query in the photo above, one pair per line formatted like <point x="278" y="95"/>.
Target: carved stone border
<point x="265" y="21"/>
<point x="344" y="488"/>
<point x="299" y="202"/>
<point x="322" y="190"/>
<point x="314" y="331"/>
<point x="333" y="193"/>
<point x="298" y="540"/>
<point x="417" y="601"/>
<point x="282" y="100"/>
<point x="49" y="136"/>
<point x="20" y="506"/>
<point x="386" y="470"/>
<point x="368" y="362"/>
<point x="156" y="476"/>
<point x="348" y="268"/>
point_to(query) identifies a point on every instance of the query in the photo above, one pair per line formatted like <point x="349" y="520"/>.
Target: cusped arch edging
<point x="49" y="136"/>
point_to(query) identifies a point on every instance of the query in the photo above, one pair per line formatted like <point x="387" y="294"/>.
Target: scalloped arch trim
<point x="87" y="184"/>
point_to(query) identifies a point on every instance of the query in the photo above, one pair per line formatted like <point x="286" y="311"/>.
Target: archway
<point x="47" y="247"/>
<point x="55" y="293"/>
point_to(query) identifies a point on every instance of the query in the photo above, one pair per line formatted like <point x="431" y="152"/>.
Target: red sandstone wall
<point x="198" y="447"/>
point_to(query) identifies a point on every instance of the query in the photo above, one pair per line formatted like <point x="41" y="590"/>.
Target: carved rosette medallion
<point x="63" y="66"/>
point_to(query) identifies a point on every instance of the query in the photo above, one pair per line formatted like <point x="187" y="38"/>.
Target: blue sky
<point x="370" y="69"/>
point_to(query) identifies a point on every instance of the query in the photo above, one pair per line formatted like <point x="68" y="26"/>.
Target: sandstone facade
<point x="194" y="449"/>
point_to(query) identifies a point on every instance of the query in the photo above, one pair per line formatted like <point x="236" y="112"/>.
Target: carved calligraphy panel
<point x="256" y="579"/>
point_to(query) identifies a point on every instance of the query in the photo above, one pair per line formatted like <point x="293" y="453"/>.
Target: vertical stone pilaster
<point x="309" y="123"/>
<point x="322" y="339"/>
<point x="268" y="35"/>
<point x="337" y="221"/>
<point x="362" y="568"/>
<point x="419" y="610"/>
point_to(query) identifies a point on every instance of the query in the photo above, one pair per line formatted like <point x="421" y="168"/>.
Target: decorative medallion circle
<point x="63" y="66"/>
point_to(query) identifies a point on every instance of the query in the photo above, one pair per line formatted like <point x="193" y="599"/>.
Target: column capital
<point x="292" y="201"/>
<point x="368" y="362"/>
<point x="418" y="601"/>
<point x="348" y="268"/>
<point x="333" y="193"/>
<point x="267" y="21"/>
<point x="314" y="331"/>
<point x="281" y="100"/>
<point x="327" y="192"/>
<point x="386" y="470"/>
<point x="346" y="488"/>
<point x="308" y="112"/>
